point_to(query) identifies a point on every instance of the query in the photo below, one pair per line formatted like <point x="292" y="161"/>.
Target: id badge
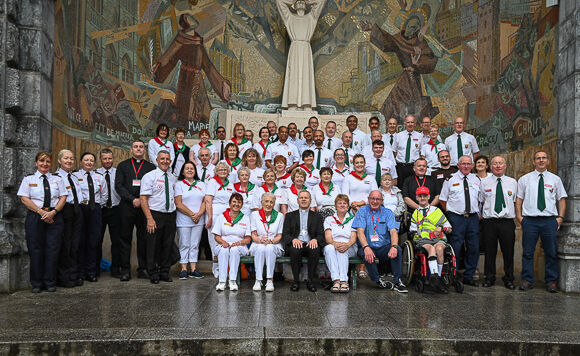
<point x="374" y="238"/>
<point x="136" y="182"/>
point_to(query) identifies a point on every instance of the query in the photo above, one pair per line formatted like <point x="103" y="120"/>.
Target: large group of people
<point x="325" y="194"/>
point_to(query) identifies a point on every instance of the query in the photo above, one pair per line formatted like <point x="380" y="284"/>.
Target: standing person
<point x="128" y="185"/>
<point x="204" y="142"/>
<point x="431" y="148"/>
<point x="249" y="135"/>
<point x="293" y="135"/>
<point x="270" y="186"/>
<point x="389" y="137"/>
<point x="374" y="125"/>
<point x="233" y="160"/>
<point x="239" y="140"/>
<point x="323" y="156"/>
<point x="252" y="160"/>
<point x="160" y="142"/>
<point x="460" y="143"/>
<point x="498" y="212"/>
<point x="325" y="193"/>
<point x="339" y="168"/>
<point x="376" y="230"/>
<point x="313" y="174"/>
<point x="72" y="220"/>
<point x="308" y="142"/>
<point x="359" y="138"/>
<point x="358" y="184"/>
<point x="272" y="129"/>
<point x="283" y="177"/>
<point x="246" y="189"/>
<point x="111" y="214"/>
<point x="420" y="179"/>
<point x="266" y="225"/>
<point x="407" y="149"/>
<point x="426" y="131"/>
<point x="298" y="185"/>
<point x="263" y="144"/>
<point x="158" y="204"/>
<point x="220" y="143"/>
<point x="205" y="167"/>
<point x="378" y="164"/>
<point x="460" y="196"/>
<point x="340" y="243"/>
<point x="180" y="152"/>
<point x="367" y="151"/>
<point x="44" y="195"/>
<point x="303" y="235"/>
<point x="348" y="148"/>
<point x="540" y="209"/>
<point x="331" y="141"/>
<point x="94" y="190"/>
<point x="446" y="170"/>
<point x="190" y="205"/>
<point x="285" y="149"/>
<point x="313" y="123"/>
<point x="232" y="232"/>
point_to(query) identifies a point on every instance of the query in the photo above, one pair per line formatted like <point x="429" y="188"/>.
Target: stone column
<point x="26" y="61"/>
<point x="567" y="98"/>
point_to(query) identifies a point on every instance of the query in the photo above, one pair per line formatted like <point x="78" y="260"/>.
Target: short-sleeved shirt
<point x="312" y="178"/>
<point x="221" y="195"/>
<point x="335" y="143"/>
<point x="327" y="199"/>
<point x="528" y="192"/>
<point x="387" y="140"/>
<point x="263" y="150"/>
<point x="338" y="175"/>
<point x="229" y="233"/>
<point x="210" y="146"/>
<point x="340" y="232"/>
<point x="360" y="140"/>
<point x="400" y="146"/>
<point x="358" y="189"/>
<point x="209" y="172"/>
<point x="257" y="176"/>
<point x="453" y="191"/>
<point x="469" y="146"/>
<point x="379" y="223"/>
<point x="32" y="186"/>
<point x="99" y="186"/>
<point x="390" y="199"/>
<point x="241" y="146"/>
<point x="249" y="197"/>
<point x="64" y="176"/>
<point x="326" y="156"/>
<point x="387" y="166"/>
<point x="286" y="149"/>
<point x="430" y="153"/>
<point x="509" y="187"/>
<point x="292" y="200"/>
<point x="285" y="181"/>
<point x="154" y="146"/>
<point x="115" y="197"/>
<point x="192" y="196"/>
<point x="370" y="155"/>
<point x="413" y="182"/>
<point x="263" y="229"/>
<point x="280" y="194"/>
<point x="153" y="185"/>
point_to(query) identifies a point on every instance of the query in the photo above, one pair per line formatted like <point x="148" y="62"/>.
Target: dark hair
<point x="358" y="155"/>
<point x="282" y="127"/>
<point x="236" y="196"/>
<point x="312" y="117"/>
<point x="338" y="149"/>
<point x="307" y="153"/>
<point x="105" y="151"/>
<point x="161" y="127"/>
<point x="293" y="123"/>
<point x="88" y="153"/>
<point x="137" y="140"/>
<point x="325" y="169"/>
<point x="374" y="118"/>
<point x="220" y="127"/>
<point x="331" y="122"/>
<point x="262" y="129"/>
<point x="179" y="130"/>
<point x="182" y="176"/>
<point x="42" y="154"/>
<point x="378" y="143"/>
<point x="349" y="116"/>
<point x="231" y="144"/>
<point x="486" y="159"/>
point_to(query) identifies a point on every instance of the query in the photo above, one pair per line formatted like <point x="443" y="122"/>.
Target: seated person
<point x="429" y="225"/>
<point x="303" y="235"/>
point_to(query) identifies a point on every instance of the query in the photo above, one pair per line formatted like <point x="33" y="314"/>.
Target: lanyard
<point x="373" y="220"/>
<point x="420" y="185"/>
<point x="137" y="170"/>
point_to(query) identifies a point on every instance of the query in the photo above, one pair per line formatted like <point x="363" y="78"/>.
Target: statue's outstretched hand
<point x="366" y="26"/>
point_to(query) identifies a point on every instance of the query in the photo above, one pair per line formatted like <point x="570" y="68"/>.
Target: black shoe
<point x="525" y="286"/>
<point x="155" y="280"/>
<point x="295" y="287"/>
<point x="435" y="281"/>
<point x="91" y="278"/>
<point x="51" y="289"/>
<point x="67" y="284"/>
<point x="165" y="279"/>
<point x="470" y="282"/>
<point x="487" y="284"/>
<point x="310" y="286"/>
<point x="79" y="282"/>
<point x="143" y="274"/>
<point x="36" y="290"/>
<point x="509" y="285"/>
<point x="125" y="278"/>
<point x="552" y="287"/>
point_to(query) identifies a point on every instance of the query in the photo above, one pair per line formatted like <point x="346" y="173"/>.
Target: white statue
<point x="299" y="88"/>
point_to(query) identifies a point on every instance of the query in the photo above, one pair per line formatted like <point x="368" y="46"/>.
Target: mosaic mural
<point x="123" y="66"/>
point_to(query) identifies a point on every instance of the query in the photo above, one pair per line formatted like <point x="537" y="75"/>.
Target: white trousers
<point x="338" y="262"/>
<point x="229" y="257"/>
<point x="189" y="237"/>
<point x="265" y="254"/>
<point x="213" y="244"/>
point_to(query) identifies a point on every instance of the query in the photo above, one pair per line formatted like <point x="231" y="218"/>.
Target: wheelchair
<point x="414" y="265"/>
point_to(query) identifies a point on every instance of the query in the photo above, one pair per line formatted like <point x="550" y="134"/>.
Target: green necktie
<point x="391" y="140"/>
<point x="318" y="159"/>
<point x="541" y="195"/>
<point x="166" y="192"/>
<point x="424" y="213"/>
<point x="408" y="151"/>
<point x="329" y="143"/>
<point x="459" y="147"/>
<point x="346" y="159"/>
<point x="203" y="175"/>
<point x="499" y="198"/>
<point x="378" y="172"/>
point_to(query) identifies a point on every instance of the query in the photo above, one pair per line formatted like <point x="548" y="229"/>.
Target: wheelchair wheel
<point x="459" y="286"/>
<point x="420" y="286"/>
<point x="408" y="262"/>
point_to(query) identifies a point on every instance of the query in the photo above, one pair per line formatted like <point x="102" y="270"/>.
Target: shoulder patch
<point x="98" y="173"/>
<point x="56" y="174"/>
<point x="28" y="175"/>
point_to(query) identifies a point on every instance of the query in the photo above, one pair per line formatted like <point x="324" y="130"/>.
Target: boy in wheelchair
<point x="428" y="228"/>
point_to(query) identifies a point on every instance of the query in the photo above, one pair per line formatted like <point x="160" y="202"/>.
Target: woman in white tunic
<point x="357" y="185"/>
<point x="159" y="143"/>
<point x="204" y="141"/>
<point x="339" y="168"/>
<point x="325" y="193"/>
<point x="283" y="177"/>
<point x="231" y="153"/>
<point x="313" y="174"/>
<point x="392" y="196"/>
<point x="232" y="231"/>
<point x="341" y="244"/>
<point x="298" y="179"/>
<point x="189" y="201"/>
<point x="270" y="186"/>
<point x="263" y="144"/>
<point x="267" y="226"/>
<point x="246" y="188"/>
<point x="240" y="140"/>
<point x="252" y="160"/>
<point x="299" y="87"/>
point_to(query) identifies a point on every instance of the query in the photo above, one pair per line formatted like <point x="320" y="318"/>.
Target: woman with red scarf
<point x="181" y="152"/>
<point x="263" y="144"/>
<point x="252" y="160"/>
<point x="270" y="186"/>
<point x="312" y="174"/>
<point x="246" y="189"/>
<point x="430" y="150"/>
<point x="239" y="139"/>
<point x="298" y="179"/>
<point x="283" y="177"/>
<point x="325" y="193"/>
<point x="160" y="142"/>
<point x="203" y="142"/>
<point x="339" y="168"/>
<point x="232" y="231"/>
<point x="357" y="185"/>
<point x="266" y="228"/>
<point x="234" y="162"/>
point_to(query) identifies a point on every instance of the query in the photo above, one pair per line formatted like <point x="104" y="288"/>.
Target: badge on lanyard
<point x="136" y="182"/>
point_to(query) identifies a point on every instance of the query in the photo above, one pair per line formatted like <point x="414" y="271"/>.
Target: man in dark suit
<point x="303" y="235"/>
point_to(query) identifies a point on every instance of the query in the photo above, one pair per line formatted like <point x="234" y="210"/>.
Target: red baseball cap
<point x="422" y="190"/>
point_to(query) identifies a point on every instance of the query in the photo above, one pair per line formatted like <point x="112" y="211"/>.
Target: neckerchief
<point x="158" y="140"/>
<point x="266" y="190"/>
<point x="238" y="188"/>
<point x="309" y="171"/>
<point x="434" y="145"/>
<point x="287" y="175"/>
<point x="273" y="216"/>
<point x="324" y="192"/>
<point x="264" y="147"/>
<point x="294" y="190"/>
<point x="354" y="174"/>
<point x="190" y="185"/>
<point x="341" y="172"/>
<point x="208" y="144"/>
<point x="233" y="163"/>
<point x="229" y="218"/>
<point x="179" y="150"/>
<point x="346" y="220"/>
<point x="222" y="184"/>
<point x="235" y="140"/>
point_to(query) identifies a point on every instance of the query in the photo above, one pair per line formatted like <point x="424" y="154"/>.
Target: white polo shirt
<point x="263" y="229"/>
<point x="400" y="146"/>
<point x="528" y="192"/>
<point x="115" y="197"/>
<point x="452" y="192"/>
<point x="339" y="175"/>
<point x="509" y="187"/>
<point x="99" y="186"/>
<point x="241" y="146"/>
<point x="285" y="181"/>
<point x="327" y="199"/>
<point x="249" y="197"/>
<point x="154" y="146"/>
<point x="229" y="233"/>
<point x="469" y="146"/>
<point x="153" y="185"/>
<point x="358" y="190"/>
<point x="221" y="195"/>
<point x="257" y="176"/>
<point x="280" y="194"/>
<point x="263" y="150"/>
<point x="192" y="196"/>
<point x="32" y="186"/>
<point x="387" y="166"/>
<point x="209" y="172"/>
<point x="286" y="149"/>
<point x="340" y="232"/>
<point x="312" y="177"/>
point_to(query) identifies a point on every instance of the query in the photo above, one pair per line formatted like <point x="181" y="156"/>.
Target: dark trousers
<point x="91" y="234"/>
<point x="43" y="242"/>
<point x="382" y="253"/>
<point x="132" y="218"/>
<point x="404" y="170"/>
<point x="296" y="254"/>
<point x="112" y="219"/>
<point x="504" y="231"/>
<point x="69" y="247"/>
<point x="160" y="244"/>
<point x="547" y="229"/>
<point x="465" y="230"/>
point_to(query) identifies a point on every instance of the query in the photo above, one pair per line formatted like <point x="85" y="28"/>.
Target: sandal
<point x="344" y="287"/>
<point x="335" y="287"/>
<point x="363" y="274"/>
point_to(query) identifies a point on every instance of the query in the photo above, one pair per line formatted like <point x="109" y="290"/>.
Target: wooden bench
<point x="351" y="261"/>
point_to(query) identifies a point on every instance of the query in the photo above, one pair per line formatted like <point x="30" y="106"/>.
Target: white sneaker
<point x="221" y="286"/>
<point x="233" y="286"/>
<point x="257" y="286"/>
<point x="269" y="286"/>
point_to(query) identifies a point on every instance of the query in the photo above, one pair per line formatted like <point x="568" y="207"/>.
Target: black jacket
<point x="291" y="228"/>
<point x="124" y="179"/>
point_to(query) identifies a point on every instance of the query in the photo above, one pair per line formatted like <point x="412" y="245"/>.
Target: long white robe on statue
<point x="299" y="88"/>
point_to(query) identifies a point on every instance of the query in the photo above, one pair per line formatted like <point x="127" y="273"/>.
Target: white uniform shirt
<point x="218" y="147"/>
<point x="180" y="162"/>
<point x="286" y="149"/>
<point x="528" y="192"/>
<point x="390" y="200"/>
<point x="469" y="146"/>
<point x="209" y="172"/>
<point x="70" y="197"/>
<point x="221" y="196"/>
<point x="192" y="197"/>
<point x="229" y="233"/>
<point x="99" y="186"/>
<point x="195" y="148"/>
<point x="325" y="200"/>
<point x="350" y="152"/>
<point x="32" y="186"/>
<point x="257" y="176"/>
<point x="280" y="194"/>
<point x="369" y="154"/>
<point x="292" y="200"/>
<point x="285" y="181"/>
<point x="242" y="147"/>
<point x="427" y="138"/>
<point x="359" y="139"/>
<point x="358" y="190"/>
<point x="387" y="140"/>
<point x="305" y="146"/>
<point x="340" y="233"/>
<point x="295" y="141"/>
<point x="249" y="197"/>
<point x="431" y="155"/>
<point x="509" y="187"/>
<point x="153" y="148"/>
<point x="258" y="147"/>
<point x="335" y="143"/>
<point x="115" y="197"/>
<point x="326" y="157"/>
<point x="263" y="229"/>
<point x="400" y="146"/>
<point x="153" y="185"/>
<point x="312" y="177"/>
<point x="387" y="166"/>
<point x="452" y="192"/>
<point x="233" y="177"/>
<point x="339" y="175"/>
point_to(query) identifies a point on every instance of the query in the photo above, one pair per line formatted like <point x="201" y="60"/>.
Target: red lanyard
<point x="373" y="220"/>
<point x="420" y="185"/>
<point x="137" y="170"/>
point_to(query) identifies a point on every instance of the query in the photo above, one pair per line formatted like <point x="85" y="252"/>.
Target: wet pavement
<point x="136" y="311"/>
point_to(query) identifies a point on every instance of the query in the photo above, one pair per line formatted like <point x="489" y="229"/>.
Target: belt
<point x="86" y="202"/>
<point x="110" y="207"/>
